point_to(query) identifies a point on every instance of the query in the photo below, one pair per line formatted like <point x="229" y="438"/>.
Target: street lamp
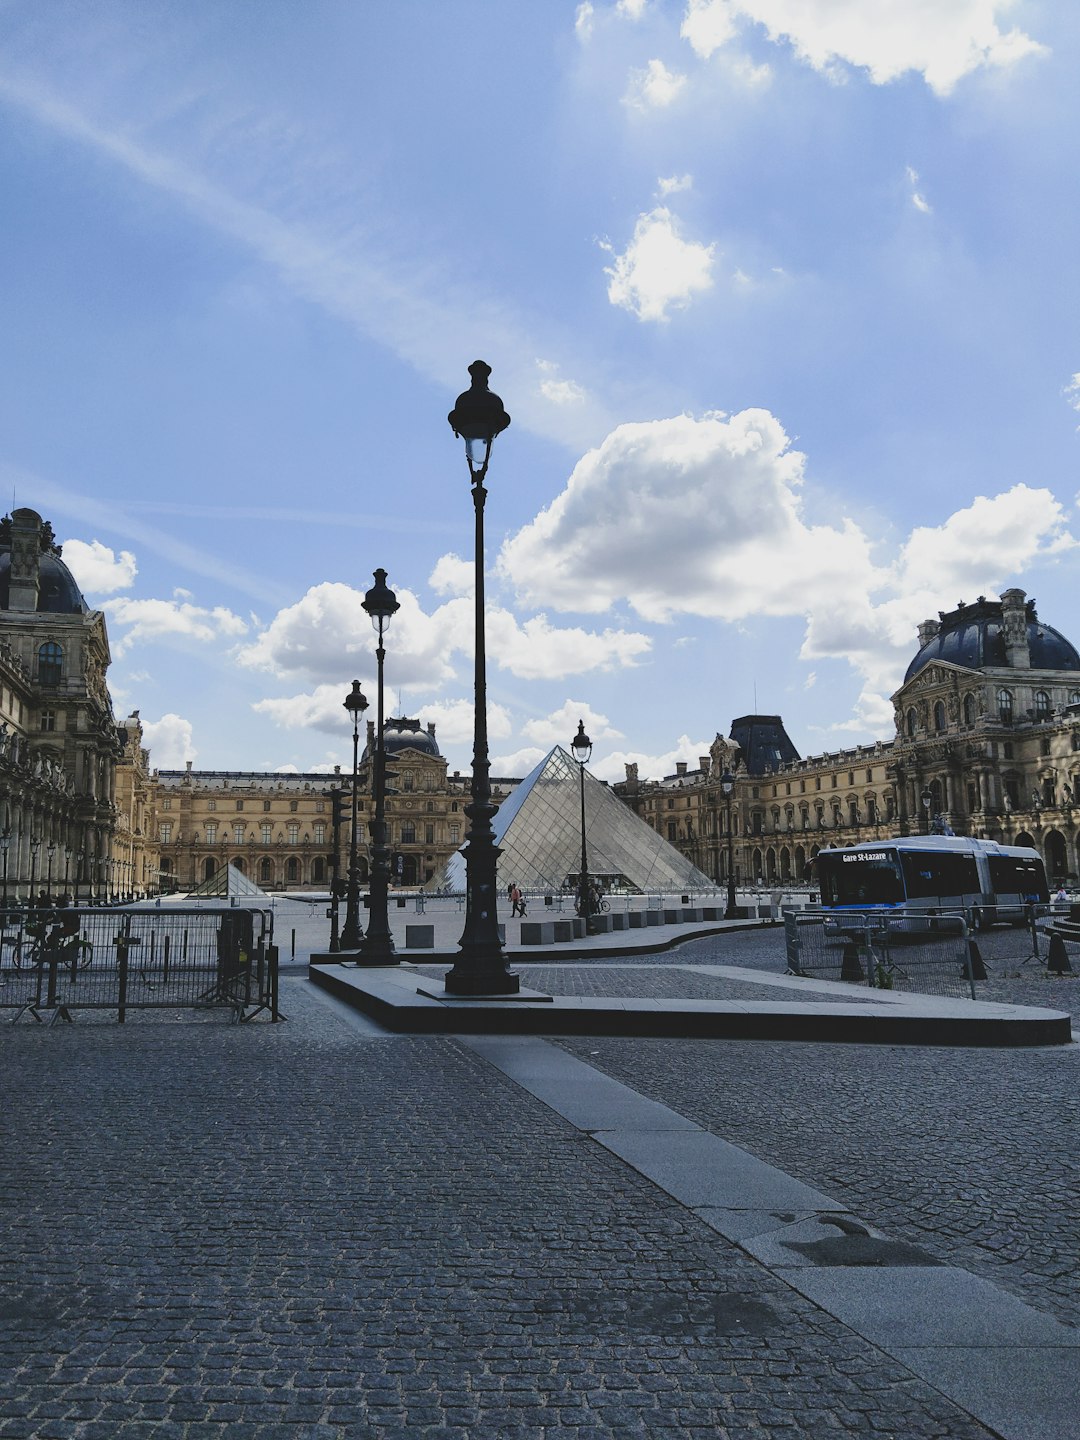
<point x="581" y="746"/>
<point x="35" y="846"/>
<point x="727" y="785"/>
<point x="355" y="703"/>
<point x="927" y="800"/>
<point x="5" y="841"/>
<point x="381" y="604"/>
<point x="481" y="969"/>
<point x="50" y="851"/>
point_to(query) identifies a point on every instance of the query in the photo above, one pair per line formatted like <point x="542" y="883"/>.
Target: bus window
<point x="1015" y="875"/>
<point x="860" y="878"/>
<point x="931" y="874"/>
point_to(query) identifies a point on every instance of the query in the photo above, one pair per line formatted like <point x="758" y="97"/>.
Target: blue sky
<point x="780" y="294"/>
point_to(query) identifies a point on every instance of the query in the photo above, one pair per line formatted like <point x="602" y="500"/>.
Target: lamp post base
<point x="484" y="984"/>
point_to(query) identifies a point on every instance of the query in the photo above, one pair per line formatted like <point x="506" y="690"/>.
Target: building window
<point x="408" y="832"/>
<point x="50" y="663"/>
<point x="292" y="870"/>
<point x="211" y="804"/>
<point x="294" y="805"/>
<point x="939" y="715"/>
<point x="672" y="833"/>
<point x="166" y="803"/>
<point x="455" y="834"/>
<point x="264" y="871"/>
<point x="294" y="832"/>
<point x="1042" y="705"/>
<point x="319" y="807"/>
<point x="969" y="709"/>
<point x="408" y="781"/>
<point x="1005" y="706"/>
<point x="320" y="833"/>
<point x="912" y="721"/>
<point x="165" y="832"/>
<point x="211" y="833"/>
<point x="48" y="719"/>
<point x="1074" y="697"/>
<point x="239" y="804"/>
<point x="267" y="832"/>
<point x="266" y="806"/>
<point x="429" y="834"/>
<point x="1044" y="745"/>
<point x="238" y="833"/>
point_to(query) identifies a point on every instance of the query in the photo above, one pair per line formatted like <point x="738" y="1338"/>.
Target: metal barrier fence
<point x="886" y="951"/>
<point x="53" y="962"/>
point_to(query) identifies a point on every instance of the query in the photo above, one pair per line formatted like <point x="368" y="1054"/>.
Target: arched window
<point x="912" y="721"/>
<point x="1074" y="697"/>
<point x="969" y="709"/>
<point x="939" y="715"/>
<point x="317" y="870"/>
<point x="50" y="663"/>
<point x="1005" y="706"/>
<point x="264" y="871"/>
<point x="1042" y="705"/>
<point x="292" y="869"/>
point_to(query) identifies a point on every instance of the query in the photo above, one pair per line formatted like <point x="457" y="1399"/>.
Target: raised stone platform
<point x="403" y="1001"/>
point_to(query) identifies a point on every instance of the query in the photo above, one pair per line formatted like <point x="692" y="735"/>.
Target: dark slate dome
<point x="58" y="593"/>
<point x="402" y="734"/>
<point x="974" y="636"/>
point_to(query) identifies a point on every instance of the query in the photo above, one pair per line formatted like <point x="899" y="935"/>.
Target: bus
<point x="933" y="874"/>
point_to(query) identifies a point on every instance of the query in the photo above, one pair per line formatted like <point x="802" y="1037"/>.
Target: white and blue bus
<point x="935" y="874"/>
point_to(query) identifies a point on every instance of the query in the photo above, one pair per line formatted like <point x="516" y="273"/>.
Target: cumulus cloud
<point x="943" y="43"/>
<point x="659" y="270"/>
<point x="704" y="517"/>
<point x="613" y="767"/>
<point x="560" y="726"/>
<point x="1072" y="391"/>
<point x="673" y="184"/>
<point x="156" y="619"/>
<point x="453" y="721"/>
<point x="632" y="9"/>
<point x="97" y="569"/>
<point x="169" y="742"/>
<point x="453" y="576"/>
<point x="556" y="389"/>
<point x="327" y="628"/>
<point x="653" y="88"/>
<point x="584" y="20"/>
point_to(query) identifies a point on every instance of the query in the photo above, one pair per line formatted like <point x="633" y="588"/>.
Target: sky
<point x="781" y="296"/>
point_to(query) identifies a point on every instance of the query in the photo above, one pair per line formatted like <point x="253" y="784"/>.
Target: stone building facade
<point x="290" y="832"/>
<point x="987" y="743"/>
<point x="59" y="742"/>
<point x="135" y="857"/>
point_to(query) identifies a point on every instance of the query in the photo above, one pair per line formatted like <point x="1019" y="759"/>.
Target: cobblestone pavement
<point x="215" y="1232"/>
<point x="971" y="1154"/>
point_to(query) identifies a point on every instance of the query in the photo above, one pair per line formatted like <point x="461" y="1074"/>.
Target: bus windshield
<point x="870" y="877"/>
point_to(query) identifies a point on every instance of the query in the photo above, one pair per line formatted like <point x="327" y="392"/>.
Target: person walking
<point x="517" y="901"/>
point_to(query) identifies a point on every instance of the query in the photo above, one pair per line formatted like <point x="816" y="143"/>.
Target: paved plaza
<point x="322" y="1231"/>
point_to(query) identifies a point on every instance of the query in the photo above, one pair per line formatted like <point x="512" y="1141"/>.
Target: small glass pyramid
<point x="225" y="883"/>
<point x="538" y="830"/>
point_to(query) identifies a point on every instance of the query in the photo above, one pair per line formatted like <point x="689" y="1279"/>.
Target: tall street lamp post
<point x="727" y="785"/>
<point x="35" y="846"/>
<point x="581" y="746"/>
<point x="5" y="841"/>
<point x="481" y="967"/>
<point x="355" y="703"/>
<point x="50" y="851"/>
<point x="381" y="604"/>
<point x="927" y="800"/>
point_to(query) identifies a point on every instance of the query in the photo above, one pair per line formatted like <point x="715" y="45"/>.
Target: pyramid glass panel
<point x="538" y="830"/>
<point x="225" y="883"/>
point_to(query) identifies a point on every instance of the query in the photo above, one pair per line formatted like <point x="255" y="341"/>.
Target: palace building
<point x="987" y="744"/>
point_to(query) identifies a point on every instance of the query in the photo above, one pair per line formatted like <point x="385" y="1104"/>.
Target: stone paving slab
<point x="1018" y="1390"/>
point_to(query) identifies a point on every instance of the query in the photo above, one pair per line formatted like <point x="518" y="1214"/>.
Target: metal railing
<point x="912" y="952"/>
<point x="55" y="961"/>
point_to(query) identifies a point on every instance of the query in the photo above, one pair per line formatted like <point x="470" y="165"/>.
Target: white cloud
<point x="887" y="38"/>
<point x="560" y="726"/>
<point x="632" y="9"/>
<point x="453" y="720"/>
<point x="703" y="516"/>
<point x="557" y="390"/>
<point x="673" y="184"/>
<point x="453" y="576"/>
<point x="653" y="88"/>
<point x="518" y="763"/>
<point x="169" y="742"/>
<point x="1072" y="391"/>
<point x="584" y="20"/>
<point x="917" y="198"/>
<point x="149" y="620"/>
<point x="327" y="632"/>
<point x="659" y="270"/>
<point x="97" y="569"/>
<point x="613" y="767"/>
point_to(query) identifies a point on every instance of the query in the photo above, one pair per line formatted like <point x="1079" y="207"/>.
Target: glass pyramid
<point x="538" y="830"/>
<point x="227" y="882"/>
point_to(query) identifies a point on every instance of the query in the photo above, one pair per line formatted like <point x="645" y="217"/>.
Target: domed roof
<point x="974" y="636"/>
<point x="58" y="593"/>
<point x="402" y="734"/>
